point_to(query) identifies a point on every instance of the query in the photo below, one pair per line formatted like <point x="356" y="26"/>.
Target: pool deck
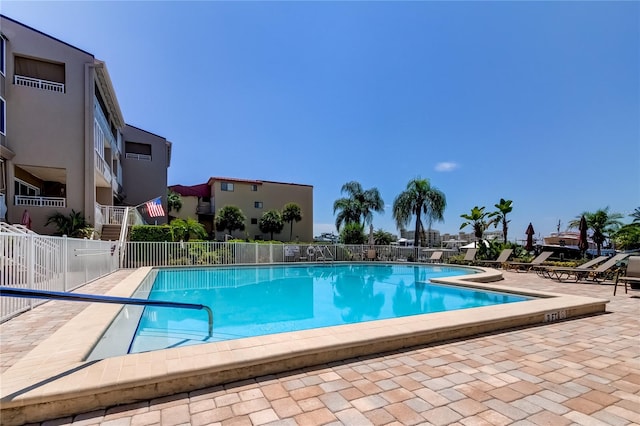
<point x="580" y="371"/>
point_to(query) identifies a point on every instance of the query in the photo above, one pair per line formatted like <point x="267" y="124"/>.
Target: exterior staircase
<point x="110" y="233"/>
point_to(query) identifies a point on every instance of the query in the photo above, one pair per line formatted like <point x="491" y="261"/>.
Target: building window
<point x="227" y="186"/>
<point x="39" y="74"/>
<point x="3" y="117"/>
<point x="254" y="221"/>
<point x="257" y="204"/>
<point x="138" y="151"/>
<point x="2" y="55"/>
<point x="23" y="188"/>
<point x="254" y="187"/>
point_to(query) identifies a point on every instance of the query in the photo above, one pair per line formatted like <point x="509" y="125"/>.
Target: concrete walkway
<point x="582" y="372"/>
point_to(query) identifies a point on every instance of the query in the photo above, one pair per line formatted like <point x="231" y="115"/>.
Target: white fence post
<point x="65" y="262"/>
<point x="30" y="265"/>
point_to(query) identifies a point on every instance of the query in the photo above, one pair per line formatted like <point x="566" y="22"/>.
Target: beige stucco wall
<point x="273" y="195"/>
<point x="46" y="128"/>
<point x="188" y="209"/>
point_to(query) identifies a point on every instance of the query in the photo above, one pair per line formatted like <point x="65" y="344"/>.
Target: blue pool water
<point x="253" y="301"/>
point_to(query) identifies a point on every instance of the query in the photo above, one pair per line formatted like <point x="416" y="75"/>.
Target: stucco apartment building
<point x="64" y="143"/>
<point x="254" y="198"/>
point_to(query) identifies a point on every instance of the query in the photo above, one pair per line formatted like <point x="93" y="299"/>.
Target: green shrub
<point x="151" y="233"/>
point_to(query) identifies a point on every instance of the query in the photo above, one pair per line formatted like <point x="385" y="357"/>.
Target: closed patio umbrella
<point x="26" y="219"/>
<point x="583" y="244"/>
<point x="372" y="240"/>
<point x="529" y="232"/>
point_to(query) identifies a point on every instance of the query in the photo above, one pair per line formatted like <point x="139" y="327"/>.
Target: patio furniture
<point x="603" y="272"/>
<point x="631" y="274"/>
<point x="504" y="256"/>
<point x="559" y="272"/>
<point x="527" y="266"/>
<point x="470" y="256"/>
<point x="436" y="256"/>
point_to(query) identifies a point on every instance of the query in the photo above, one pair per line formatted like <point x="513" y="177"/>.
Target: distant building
<point x="254" y="198"/>
<point x="63" y="138"/>
<point x="196" y="204"/>
<point x="469" y="237"/>
<point x="431" y="236"/>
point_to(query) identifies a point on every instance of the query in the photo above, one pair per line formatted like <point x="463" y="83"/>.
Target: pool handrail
<point x="95" y="298"/>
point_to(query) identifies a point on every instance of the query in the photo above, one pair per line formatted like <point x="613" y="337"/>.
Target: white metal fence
<point x="34" y="261"/>
<point x="139" y="254"/>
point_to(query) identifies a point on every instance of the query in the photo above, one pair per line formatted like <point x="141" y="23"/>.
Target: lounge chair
<point x="436" y="256"/>
<point x="470" y="256"/>
<point x="504" y="256"/>
<point x="631" y="275"/>
<point x="601" y="273"/>
<point x="527" y="266"/>
<point x="371" y="254"/>
<point x="559" y="272"/>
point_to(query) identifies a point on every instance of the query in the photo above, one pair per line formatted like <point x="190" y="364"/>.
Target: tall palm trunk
<point x="417" y="234"/>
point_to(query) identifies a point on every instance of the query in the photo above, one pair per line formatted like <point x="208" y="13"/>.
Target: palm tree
<point x="636" y="215"/>
<point x="174" y="201"/>
<point x="270" y="222"/>
<point x="230" y="218"/>
<point x="477" y="219"/>
<point x="602" y="223"/>
<point x="291" y="213"/>
<point x="360" y="205"/>
<point x="419" y="198"/>
<point x="500" y="216"/>
<point x="72" y="225"/>
<point x="185" y="229"/>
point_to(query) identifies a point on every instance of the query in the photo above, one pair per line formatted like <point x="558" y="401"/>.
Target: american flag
<point x="154" y="207"/>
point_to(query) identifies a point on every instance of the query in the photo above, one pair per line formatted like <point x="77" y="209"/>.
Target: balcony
<point x="37" y="201"/>
<point x="36" y="83"/>
<point x="204" y="208"/>
<point x="134" y="156"/>
<point x="102" y="131"/>
<point x="103" y="171"/>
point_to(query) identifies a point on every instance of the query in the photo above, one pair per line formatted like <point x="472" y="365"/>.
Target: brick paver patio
<point x="579" y="372"/>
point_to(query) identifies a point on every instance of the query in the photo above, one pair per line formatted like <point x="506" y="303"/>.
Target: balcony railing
<point x="102" y="130"/>
<point x="24" y="200"/>
<point x="133" y="156"/>
<point x="36" y="83"/>
<point x="103" y="167"/>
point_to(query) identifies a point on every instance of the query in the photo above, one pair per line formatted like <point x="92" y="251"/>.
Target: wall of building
<point x="142" y="179"/>
<point x="45" y="128"/>
<point x="273" y="196"/>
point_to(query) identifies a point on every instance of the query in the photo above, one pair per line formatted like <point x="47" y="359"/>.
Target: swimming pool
<point x="263" y="300"/>
<point x="61" y="381"/>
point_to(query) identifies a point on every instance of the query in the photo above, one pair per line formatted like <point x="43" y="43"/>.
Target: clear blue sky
<point x="537" y="102"/>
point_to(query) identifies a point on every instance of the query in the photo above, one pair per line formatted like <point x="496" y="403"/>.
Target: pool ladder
<point x="94" y="298"/>
<point x="324" y="256"/>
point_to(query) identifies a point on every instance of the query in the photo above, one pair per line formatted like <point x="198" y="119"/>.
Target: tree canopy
<point x="420" y="198"/>
<point x="602" y="224"/>
<point x="271" y="222"/>
<point x="230" y="218"/>
<point x="478" y="220"/>
<point x="359" y="206"/>
<point x="291" y="213"/>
